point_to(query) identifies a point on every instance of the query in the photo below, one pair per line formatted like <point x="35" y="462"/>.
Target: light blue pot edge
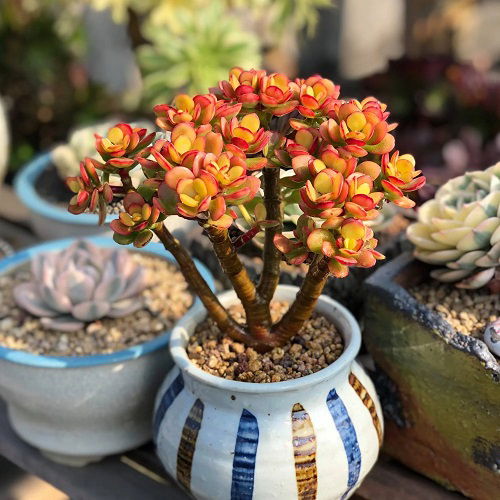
<point x="25" y="358"/>
<point x="24" y="186"/>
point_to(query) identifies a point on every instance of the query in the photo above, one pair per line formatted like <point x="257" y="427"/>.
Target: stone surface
<point x="447" y="385"/>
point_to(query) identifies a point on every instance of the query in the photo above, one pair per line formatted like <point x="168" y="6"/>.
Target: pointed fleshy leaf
<point x="63" y="323"/>
<point x="90" y="310"/>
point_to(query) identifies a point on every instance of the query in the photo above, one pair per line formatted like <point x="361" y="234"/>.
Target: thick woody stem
<point x="188" y="268"/>
<point x="257" y="312"/>
<point x="126" y="180"/>
<point x="303" y="306"/>
<point x="271" y="256"/>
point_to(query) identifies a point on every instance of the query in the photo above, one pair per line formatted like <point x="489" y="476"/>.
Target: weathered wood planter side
<point x="447" y="383"/>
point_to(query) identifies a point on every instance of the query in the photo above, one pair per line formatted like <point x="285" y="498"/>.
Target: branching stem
<point x="271" y="256"/>
<point x="215" y="309"/>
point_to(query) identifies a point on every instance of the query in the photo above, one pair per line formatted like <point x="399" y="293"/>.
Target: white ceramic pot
<point x="313" y="437"/>
<point x="78" y="409"/>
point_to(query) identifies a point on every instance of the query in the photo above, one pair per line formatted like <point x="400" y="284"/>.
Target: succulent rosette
<point x="344" y="242"/>
<point x="316" y="96"/>
<point x="81" y="284"/>
<point x="460" y="230"/>
<point x="121" y="144"/>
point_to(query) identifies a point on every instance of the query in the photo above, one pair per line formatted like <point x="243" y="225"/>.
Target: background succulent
<point x="460" y="229"/>
<point x="203" y="51"/>
<point x="80" y="284"/>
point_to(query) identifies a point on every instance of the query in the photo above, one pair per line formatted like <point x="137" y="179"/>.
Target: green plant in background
<point x="192" y="44"/>
<point x="289" y="14"/>
<point x="45" y="87"/>
<point x="460" y="229"/>
<point x="201" y="53"/>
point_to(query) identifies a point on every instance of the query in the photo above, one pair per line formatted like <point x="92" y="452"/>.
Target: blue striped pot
<point x="78" y="409"/>
<point x="311" y="438"/>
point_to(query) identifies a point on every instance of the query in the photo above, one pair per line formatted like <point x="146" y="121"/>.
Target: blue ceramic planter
<point x="79" y="409"/>
<point x="50" y="221"/>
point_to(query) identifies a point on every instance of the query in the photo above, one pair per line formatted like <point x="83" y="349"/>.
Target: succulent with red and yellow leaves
<point x="316" y="96"/>
<point x="327" y="190"/>
<point x="242" y="87"/>
<point x="400" y="177"/>
<point x="305" y="141"/>
<point x="183" y="149"/>
<point x="200" y="110"/>
<point x="208" y="167"/>
<point x="354" y="246"/>
<point x="208" y="187"/>
<point x="121" y="144"/>
<point x="246" y="134"/>
<point x="89" y="192"/>
<point x="362" y="201"/>
<point x="295" y="249"/>
<point x="359" y="128"/>
<point x="136" y="223"/>
<point x="277" y="94"/>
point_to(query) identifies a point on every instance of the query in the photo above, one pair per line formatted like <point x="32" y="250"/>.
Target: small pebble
<point x="468" y="311"/>
<point x="166" y="300"/>
<point x="317" y="345"/>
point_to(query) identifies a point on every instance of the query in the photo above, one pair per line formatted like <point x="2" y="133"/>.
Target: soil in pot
<point x="467" y="311"/>
<point x="53" y="189"/>
<point x="166" y="299"/>
<point x="316" y="346"/>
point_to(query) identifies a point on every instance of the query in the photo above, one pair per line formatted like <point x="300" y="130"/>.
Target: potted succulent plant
<point x="41" y="187"/>
<point x="83" y="333"/>
<point x="425" y="328"/>
<point x="312" y="426"/>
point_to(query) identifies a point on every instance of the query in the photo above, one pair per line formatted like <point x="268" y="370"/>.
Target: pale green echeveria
<point x="209" y="44"/>
<point x="460" y="229"/>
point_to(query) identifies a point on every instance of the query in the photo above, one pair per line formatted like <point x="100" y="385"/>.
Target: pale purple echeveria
<point x="80" y="284"/>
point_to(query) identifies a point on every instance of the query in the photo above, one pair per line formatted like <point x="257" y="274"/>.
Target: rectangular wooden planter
<point x="440" y="389"/>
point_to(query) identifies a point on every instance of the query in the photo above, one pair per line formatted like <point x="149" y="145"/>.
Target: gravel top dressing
<point x="467" y="311"/>
<point x="318" y="345"/>
<point x="166" y="299"/>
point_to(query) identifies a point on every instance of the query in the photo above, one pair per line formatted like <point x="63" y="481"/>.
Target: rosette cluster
<point x="206" y="164"/>
<point x="459" y="230"/>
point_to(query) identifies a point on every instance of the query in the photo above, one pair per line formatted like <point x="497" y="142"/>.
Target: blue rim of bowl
<point x="26" y="358"/>
<point x="24" y="185"/>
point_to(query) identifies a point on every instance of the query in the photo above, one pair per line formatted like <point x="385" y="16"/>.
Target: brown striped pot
<point x="310" y="438"/>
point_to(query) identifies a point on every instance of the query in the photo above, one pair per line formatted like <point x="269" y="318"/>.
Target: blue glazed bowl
<point x="48" y="220"/>
<point x="79" y="409"/>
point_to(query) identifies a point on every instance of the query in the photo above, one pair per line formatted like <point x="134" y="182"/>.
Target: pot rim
<point x="180" y="357"/>
<point x="24" y="186"/>
<point x="136" y="351"/>
<point x="385" y="285"/>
